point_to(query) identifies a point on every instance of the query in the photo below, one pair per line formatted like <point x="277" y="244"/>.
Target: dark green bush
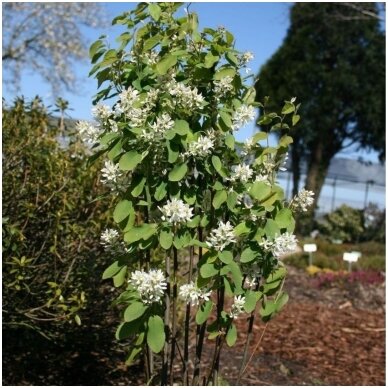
<point x="52" y="258"/>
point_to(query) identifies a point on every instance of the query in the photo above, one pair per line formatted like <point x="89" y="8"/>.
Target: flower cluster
<point x="242" y="173"/>
<point x="110" y="240"/>
<point x="111" y="174"/>
<point x="222" y="236"/>
<point x="102" y="112"/>
<point x="237" y="306"/>
<point x="176" y="211"/>
<point x="223" y="86"/>
<point x="246" y="57"/>
<point x="242" y="116"/>
<point x="281" y="245"/>
<point x="202" y="147"/>
<point x="133" y="107"/>
<point x="150" y="285"/>
<point x="192" y="294"/>
<point x="88" y="132"/>
<point x="303" y="200"/>
<point x="157" y="129"/>
<point x="185" y="96"/>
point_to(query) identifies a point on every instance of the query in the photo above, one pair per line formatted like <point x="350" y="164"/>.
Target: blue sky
<point x="257" y="27"/>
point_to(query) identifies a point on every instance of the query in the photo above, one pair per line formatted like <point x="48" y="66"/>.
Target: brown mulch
<point x="333" y="336"/>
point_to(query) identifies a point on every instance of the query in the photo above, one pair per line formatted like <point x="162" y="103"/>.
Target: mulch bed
<point x="333" y="336"/>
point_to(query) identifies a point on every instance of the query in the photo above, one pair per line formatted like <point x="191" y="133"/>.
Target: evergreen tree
<point x="334" y="62"/>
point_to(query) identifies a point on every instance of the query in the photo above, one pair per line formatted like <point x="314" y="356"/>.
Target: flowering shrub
<point x="185" y="186"/>
<point x="341" y="278"/>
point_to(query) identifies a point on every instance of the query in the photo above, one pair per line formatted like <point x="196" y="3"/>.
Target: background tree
<point x="336" y="68"/>
<point x="46" y="38"/>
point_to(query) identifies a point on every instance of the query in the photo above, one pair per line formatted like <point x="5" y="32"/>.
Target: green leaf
<point x="134" y="311"/>
<point x="226" y="119"/>
<point x="154" y="11"/>
<point x="284" y="218"/>
<point x="281" y="301"/>
<point x="232" y="200"/>
<point x="119" y="279"/>
<point x="231" y="335"/>
<point x="115" y="150"/>
<point x="122" y="210"/>
<point x="178" y="172"/>
<point x="219" y="198"/>
<point x="250" y="301"/>
<point x="173" y="151"/>
<point x="137" y="233"/>
<point x="129" y="160"/>
<point x="112" y="270"/>
<point x="278" y="274"/>
<point x="241" y="229"/>
<point x="259" y="190"/>
<point x="248" y="255"/>
<point x="127" y="329"/>
<point x="203" y="312"/>
<point x="229" y="141"/>
<point x="225" y="72"/>
<point x="288" y="108"/>
<point x="77" y="320"/>
<point x="165" y="239"/>
<point x="165" y="64"/>
<point x="268" y="309"/>
<point x="194" y="222"/>
<point x="295" y="119"/>
<point x="259" y="136"/>
<point x="213" y="334"/>
<point x="210" y="60"/>
<point x="226" y="257"/>
<point x="138" y="189"/>
<point x="181" y="127"/>
<point x="216" y="161"/>
<point x="95" y="47"/>
<point x="132" y="356"/>
<point x="236" y="275"/>
<point x="271" y="229"/>
<point x="155" y="333"/>
<point x="161" y="191"/>
<point x="208" y="270"/>
<point x="285" y="141"/>
<point x="152" y="42"/>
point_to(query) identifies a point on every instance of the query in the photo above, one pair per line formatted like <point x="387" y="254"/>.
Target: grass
<point x="330" y="255"/>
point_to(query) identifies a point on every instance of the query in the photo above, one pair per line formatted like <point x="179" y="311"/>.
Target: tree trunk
<point x="318" y="167"/>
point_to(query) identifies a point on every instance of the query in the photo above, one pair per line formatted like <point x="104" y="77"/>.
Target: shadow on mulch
<point x="322" y="337"/>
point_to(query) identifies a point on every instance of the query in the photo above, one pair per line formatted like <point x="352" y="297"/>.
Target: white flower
<point x="110" y="173"/>
<point x="237" y="307"/>
<point x="242" y="173"/>
<point x="109" y="237"/>
<point x="185" y="96"/>
<point x="101" y="112"/>
<point x="247" y="57"/>
<point x="112" y="126"/>
<point x="162" y="124"/>
<point x="111" y="242"/>
<point x="303" y="200"/>
<point x="201" y="147"/>
<point x="222" y="236"/>
<point x="250" y="282"/>
<point x="242" y="116"/>
<point x="88" y="132"/>
<point x="281" y="245"/>
<point x="150" y="285"/>
<point x="223" y="86"/>
<point x="262" y="178"/>
<point x="192" y="294"/>
<point x="176" y="211"/>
